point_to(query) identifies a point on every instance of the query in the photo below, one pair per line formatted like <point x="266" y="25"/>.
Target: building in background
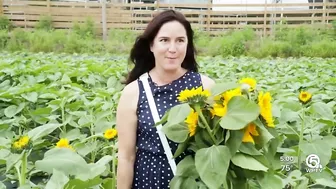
<point x="231" y="8"/>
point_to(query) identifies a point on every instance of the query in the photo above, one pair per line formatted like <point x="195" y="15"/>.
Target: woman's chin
<point x="172" y="64"/>
<point x="172" y="67"/>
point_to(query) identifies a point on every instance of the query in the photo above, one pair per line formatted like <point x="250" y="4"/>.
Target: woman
<point x="166" y="51"/>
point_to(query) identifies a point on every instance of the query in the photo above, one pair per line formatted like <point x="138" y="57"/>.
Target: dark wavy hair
<point x="141" y="54"/>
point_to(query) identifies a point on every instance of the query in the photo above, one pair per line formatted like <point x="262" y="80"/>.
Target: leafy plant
<point x="231" y="133"/>
<point x="284" y="42"/>
<point x="86" y="29"/>
<point x="64" y="102"/>
<point x="52" y="125"/>
<point x="5" y="23"/>
<point x="45" y="23"/>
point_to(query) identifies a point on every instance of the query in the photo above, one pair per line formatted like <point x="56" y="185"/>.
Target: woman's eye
<point x="163" y="40"/>
<point x="181" y="41"/>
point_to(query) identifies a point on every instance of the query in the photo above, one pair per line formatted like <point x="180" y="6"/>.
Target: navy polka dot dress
<point x="151" y="168"/>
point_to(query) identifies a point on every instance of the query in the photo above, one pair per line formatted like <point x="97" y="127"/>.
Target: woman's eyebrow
<point x="164" y="37"/>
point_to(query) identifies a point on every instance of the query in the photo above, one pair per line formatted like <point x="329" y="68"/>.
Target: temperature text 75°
<point x="286" y="167"/>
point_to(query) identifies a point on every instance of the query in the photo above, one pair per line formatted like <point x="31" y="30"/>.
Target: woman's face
<point x="170" y="46"/>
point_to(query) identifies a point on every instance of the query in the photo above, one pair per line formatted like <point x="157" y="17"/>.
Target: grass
<point x="83" y="38"/>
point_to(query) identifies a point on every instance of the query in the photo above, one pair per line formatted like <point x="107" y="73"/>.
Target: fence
<point x="214" y="18"/>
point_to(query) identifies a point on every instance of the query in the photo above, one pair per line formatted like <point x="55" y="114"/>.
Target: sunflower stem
<point x="217" y="125"/>
<point x="23" y="169"/>
<point x="207" y="127"/>
<point x="247" y="93"/>
<point x="301" y="138"/>
<point x="114" y="173"/>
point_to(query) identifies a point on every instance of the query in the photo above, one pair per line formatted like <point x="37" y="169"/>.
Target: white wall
<point x="296" y="7"/>
<point x="235" y="8"/>
<point x="245" y="8"/>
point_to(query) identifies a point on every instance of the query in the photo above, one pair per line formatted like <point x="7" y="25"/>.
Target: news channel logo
<point x="313" y="163"/>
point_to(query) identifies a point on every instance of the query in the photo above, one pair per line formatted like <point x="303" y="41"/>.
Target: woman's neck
<point x="162" y="77"/>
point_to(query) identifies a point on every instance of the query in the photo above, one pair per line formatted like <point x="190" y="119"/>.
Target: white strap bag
<point x="144" y="78"/>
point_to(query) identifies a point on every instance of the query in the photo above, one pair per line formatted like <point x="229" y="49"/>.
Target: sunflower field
<point x="57" y="120"/>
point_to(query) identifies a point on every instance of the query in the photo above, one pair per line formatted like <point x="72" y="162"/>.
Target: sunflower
<point x="305" y="96"/>
<point x="62" y="143"/>
<point x="24" y="140"/>
<point x="17" y="145"/>
<point x="191" y="121"/>
<point x="220" y="107"/>
<point x="249" y="81"/>
<point x="21" y="143"/>
<point x="264" y="101"/>
<point x="231" y="93"/>
<point x="218" y="110"/>
<point x="193" y="95"/>
<point x="249" y="131"/>
<point x="110" y="133"/>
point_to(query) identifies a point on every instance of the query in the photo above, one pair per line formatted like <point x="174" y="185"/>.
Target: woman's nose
<point x="172" y="47"/>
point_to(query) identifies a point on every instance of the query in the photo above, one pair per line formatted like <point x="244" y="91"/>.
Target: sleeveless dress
<point x="151" y="168"/>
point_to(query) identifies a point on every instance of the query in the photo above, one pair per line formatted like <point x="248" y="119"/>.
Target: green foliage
<point x="85" y="30"/>
<point x="273" y="49"/>
<point x="324" y="48"/>
<point x="45" y="23"/>
<point x="119" y="35"/>
<point x="5" y="23"/>
<point x="120" y="41"/>
<point x="296" y="42"/>
<point x="83" y="38"/>
<point x="334" y="27"/>
<point x="45" y="41"/>
<point x="47" y="97"/>
<point x="19" y="40"/>
<point x="52" y="96"/>
<point x="234" y="43"/>
<point x="3" y="39"/>
<point x="334" y="24"/>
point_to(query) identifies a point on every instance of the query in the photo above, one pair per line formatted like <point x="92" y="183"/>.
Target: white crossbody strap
<point x="152" y="106"/>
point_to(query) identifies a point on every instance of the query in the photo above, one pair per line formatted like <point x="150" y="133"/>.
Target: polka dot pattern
<point x="151" y="168"/>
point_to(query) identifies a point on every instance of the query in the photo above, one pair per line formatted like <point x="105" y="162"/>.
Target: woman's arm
<point x="207" y="82"/>
<point x="126" y="126"/>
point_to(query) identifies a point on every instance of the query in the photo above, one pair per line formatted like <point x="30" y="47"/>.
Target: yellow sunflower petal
<point x="192" y="130"/>
<point x="217" y="98"/>
<point x="17" y="145"/>
<point x="250" y="81"/>
<point x="191" y="121"/>
<point x="24" y="140"/>
<point x="264" y="102"/>
<point x="190" y="95"/>
<point x="247" y="137"/>
<point x="268" y="118"/>
<point x="110" y="133"/>
<point x="231" y="93"/>
<point x="62" y="143"/>
<point x="252" y="129"/>
<point x="305" y="96"/>
<point x="218" y="110"/>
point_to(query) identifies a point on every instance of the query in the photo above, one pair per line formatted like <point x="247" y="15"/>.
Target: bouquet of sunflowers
<point x="231" y="131"/>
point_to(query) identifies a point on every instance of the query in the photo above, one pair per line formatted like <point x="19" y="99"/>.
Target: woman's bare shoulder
<point x="131" y="88"/>
<point x="130" y="94"/>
